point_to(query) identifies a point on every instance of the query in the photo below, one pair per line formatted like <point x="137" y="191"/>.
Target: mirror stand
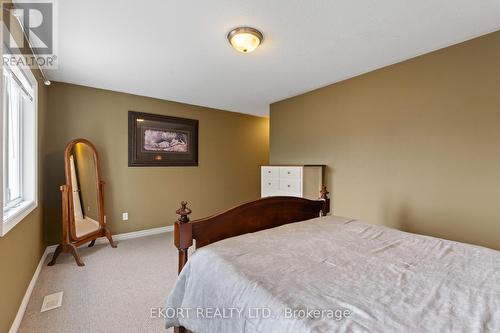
<point x="82" y="201"/>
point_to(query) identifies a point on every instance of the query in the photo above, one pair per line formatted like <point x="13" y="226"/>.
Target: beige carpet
<point x="113" y="292"/>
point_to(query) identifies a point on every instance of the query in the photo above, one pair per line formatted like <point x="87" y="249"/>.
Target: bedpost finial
<point x="183" y="212"/>
<point x="324" y="192"/>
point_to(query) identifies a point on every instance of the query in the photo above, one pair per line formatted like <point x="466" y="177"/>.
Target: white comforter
<point x="356" y="277"/>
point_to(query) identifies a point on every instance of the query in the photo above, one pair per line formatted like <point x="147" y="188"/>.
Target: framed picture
<point x="156" y="140"/>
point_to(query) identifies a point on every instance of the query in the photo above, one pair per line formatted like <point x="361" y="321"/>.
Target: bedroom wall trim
<point x="137" y="234"/>
<point x="127" y="235"/>
<point x="50" y="249"/>
<point x="27" y="295"/>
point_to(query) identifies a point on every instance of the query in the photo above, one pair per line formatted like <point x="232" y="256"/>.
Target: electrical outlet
<point x="125" y="216"/>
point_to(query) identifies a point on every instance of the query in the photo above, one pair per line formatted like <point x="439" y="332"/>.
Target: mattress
<point x="334" y="274"/>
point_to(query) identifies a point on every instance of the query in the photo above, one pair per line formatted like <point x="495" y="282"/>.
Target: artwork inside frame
<point x="158" y="140"/>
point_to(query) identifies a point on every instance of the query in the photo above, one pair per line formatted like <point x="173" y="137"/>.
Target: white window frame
<point x="9" y="219"/>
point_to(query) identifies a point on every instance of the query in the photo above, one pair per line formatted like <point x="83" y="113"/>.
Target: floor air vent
<point x="52" y="301"/>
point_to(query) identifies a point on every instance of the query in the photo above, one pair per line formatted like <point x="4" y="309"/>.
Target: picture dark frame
<point x="140" y="156"/>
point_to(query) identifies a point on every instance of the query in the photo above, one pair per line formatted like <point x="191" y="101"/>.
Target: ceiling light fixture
<point x="245" y="39"/>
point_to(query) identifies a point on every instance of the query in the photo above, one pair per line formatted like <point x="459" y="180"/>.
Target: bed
<point x="274" y="265"/>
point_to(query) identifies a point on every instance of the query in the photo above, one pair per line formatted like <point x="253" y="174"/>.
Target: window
<point x="19" y="146"/>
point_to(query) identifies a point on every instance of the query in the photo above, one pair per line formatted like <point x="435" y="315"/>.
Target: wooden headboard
<point x="249" y="217"/>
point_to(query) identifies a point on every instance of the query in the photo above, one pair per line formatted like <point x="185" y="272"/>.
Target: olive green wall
<point x="231" y="148"/>
<point x="23" y="246"/>
<point x="414" y="146"/>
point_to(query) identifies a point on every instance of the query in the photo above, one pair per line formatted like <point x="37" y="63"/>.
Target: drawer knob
<point x="268" y="183"/>
<point x="288" y="172"/>
<point x="288" y="185"/>
<point x="269" y="171"/>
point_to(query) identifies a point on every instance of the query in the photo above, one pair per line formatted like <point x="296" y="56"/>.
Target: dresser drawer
<point x="270" y="187"/>
<point x="290" y="187"/>
<point x="270" y="184"/>
<point x="270" y="172"/>
<point x="291" y="173"/>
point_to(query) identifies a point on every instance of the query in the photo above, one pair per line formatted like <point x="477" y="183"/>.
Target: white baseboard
<point x="50" y="249"/>
<point x="127" y="235"/>
<point x="27" y="295"/>
<point x="137" y="234"/>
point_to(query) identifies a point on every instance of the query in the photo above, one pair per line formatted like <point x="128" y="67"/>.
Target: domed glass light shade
<point x="245" y="39"/>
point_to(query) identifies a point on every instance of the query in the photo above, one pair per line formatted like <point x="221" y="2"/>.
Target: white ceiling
<point x="177" y="50"/>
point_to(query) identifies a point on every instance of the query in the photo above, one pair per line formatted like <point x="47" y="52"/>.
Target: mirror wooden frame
<point x="70" y="240"/>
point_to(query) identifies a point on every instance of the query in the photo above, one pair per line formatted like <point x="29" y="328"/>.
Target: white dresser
<point x="303" y="181"/>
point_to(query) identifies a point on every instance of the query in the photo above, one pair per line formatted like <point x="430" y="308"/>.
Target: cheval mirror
<point x="82" y="200"/>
